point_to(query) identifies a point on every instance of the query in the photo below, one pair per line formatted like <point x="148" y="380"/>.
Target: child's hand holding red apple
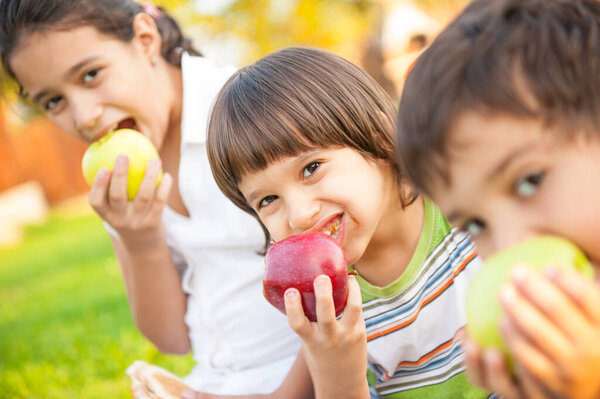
<point x="306" y="277"/>
<point x="335" y="349"/>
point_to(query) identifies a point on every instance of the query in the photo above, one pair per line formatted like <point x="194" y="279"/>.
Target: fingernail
<point x="551" y="272"/>
<point x="291" y="293"/>
<point x="154" y="163"/>
<point x="103" y="172"/>
<point x="519" y="274"/>
<point x="321" y="280"/>
<point x="507" y="295"/>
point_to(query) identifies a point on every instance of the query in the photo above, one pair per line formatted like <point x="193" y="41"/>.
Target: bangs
<point x="290" y="102"/>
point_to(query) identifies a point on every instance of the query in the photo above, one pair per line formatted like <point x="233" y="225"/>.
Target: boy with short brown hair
<point x="499" y="123"/>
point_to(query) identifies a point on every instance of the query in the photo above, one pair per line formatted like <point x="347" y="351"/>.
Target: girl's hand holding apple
<point x="131" y="196"/>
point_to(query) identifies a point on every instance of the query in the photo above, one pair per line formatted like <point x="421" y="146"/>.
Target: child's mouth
<point x="333" y="230"/>
<point x="128" y="123"/>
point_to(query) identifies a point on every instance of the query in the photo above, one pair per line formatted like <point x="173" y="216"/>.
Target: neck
<point x="172" y="137"/>
<point x="393" y="244"/>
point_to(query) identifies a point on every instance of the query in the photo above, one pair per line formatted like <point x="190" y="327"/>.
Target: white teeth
<point x="333" y="229"/>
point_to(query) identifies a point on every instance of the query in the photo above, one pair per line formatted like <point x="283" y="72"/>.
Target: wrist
<point x="149" y="240"/>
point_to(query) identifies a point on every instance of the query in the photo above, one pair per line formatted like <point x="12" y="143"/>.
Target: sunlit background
<point x="65" y="326"/>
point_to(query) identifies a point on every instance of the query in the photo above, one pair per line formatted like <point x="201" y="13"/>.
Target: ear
<point x="147" y="36"/>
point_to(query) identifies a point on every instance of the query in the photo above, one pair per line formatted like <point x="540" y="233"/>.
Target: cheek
<point x="575" y="214"/>
<point x="276" y="228"/>
<point x="65" y="124"/>
<point x="584" y="231"/>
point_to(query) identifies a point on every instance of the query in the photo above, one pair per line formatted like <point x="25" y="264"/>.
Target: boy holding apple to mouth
<point x="303" y="141"/>
<point x="499" y="123"/>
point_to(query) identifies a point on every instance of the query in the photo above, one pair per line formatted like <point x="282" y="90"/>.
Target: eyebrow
<point x="508" y="159"/>
<point x="251" y="198"/>
<point x="70" y="72"/>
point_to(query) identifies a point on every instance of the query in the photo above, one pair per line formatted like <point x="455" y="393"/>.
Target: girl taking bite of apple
<point x="97" y="65"/>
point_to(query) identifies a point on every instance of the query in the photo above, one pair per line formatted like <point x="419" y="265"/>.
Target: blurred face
<point x="337" y="191"/>
<point x="513" y="178"/>
<point x="89" y="83"/>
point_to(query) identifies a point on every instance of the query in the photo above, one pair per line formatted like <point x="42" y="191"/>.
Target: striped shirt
<point x="413" y="345"/>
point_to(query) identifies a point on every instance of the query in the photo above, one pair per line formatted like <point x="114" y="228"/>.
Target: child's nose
<point x="303" y="215"/>
<point x="86" y="114"/>
<point x="511" y="234"/>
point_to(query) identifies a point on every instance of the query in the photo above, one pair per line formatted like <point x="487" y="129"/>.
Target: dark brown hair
<point x="528" y="58"/>
<point x="19" y="18"/>
<point x="291" y="101"/>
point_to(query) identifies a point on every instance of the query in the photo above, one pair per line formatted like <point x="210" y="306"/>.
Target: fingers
<point x="547" y="300"/>
<point x="496" y="375"/>
<point x="324" y="303"/>
<point x="474" y="363"/>
<point x="162" y="194"/>
<point x="117" y="190"/>
<point x="295" y="313"/>
<point x="529" y="325"/>
<point x="353" y="311"/>
<point x="325" y="310"/>
<point x="530" y="387"/>
<point x="581" y="290"/>
<point x="108" y="196"/>
<point x="98" y="198"/>
<point x="528" y="356"/>
<point x="145" y="194"/>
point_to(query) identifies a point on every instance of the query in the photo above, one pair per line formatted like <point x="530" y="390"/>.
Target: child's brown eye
<point x="529" y="185"/>
<point x="266" y="201"/>
<point x="310" y="169"/>
<point x="52" y="103"/>
<point x="90" y="75"/>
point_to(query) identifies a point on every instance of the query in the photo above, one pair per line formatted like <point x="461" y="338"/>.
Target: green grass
<point x="65" y="326"/>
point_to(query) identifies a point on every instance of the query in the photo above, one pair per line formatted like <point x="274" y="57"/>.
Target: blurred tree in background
<point x="249" y="29"/>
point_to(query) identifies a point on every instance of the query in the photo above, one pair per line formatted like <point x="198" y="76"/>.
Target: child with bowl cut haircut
<point x="499" y="123"/>
<point x="302" y="140"/>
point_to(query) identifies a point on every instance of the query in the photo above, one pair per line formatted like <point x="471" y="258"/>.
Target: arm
<point x="297" y="385"/>
<point x="153" y="286"/>
<point x="335" y="350"/>
<point x="552" y="328"/>
<point x="155" y="296"/>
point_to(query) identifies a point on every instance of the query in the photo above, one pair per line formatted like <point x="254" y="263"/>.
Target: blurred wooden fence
<point x="42" y="153"/>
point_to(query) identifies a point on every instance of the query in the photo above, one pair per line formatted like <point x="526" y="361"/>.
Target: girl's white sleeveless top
<point x="241" y="344"/>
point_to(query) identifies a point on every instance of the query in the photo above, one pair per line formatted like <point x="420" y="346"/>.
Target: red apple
<point x="295" y="263"/>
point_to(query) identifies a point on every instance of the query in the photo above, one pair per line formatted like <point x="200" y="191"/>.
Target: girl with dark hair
<point x="189" y="258"/>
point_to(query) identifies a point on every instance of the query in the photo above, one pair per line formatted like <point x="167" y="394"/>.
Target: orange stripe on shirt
<point x="426" y="301"/>
<point x="430" y="354"/>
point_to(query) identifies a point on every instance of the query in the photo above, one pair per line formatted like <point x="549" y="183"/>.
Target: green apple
<point x="482" y="305"/>
<point x="104" y="152"/>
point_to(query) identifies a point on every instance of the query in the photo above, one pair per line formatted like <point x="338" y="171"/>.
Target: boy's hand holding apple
<point x="306" y="278"/>
<point x="128" y="190"/>
<point x="543" y="316"/>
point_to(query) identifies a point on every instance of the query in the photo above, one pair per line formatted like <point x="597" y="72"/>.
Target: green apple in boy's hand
<point x="105" y="150"/>
<point x="482" y="305"/>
